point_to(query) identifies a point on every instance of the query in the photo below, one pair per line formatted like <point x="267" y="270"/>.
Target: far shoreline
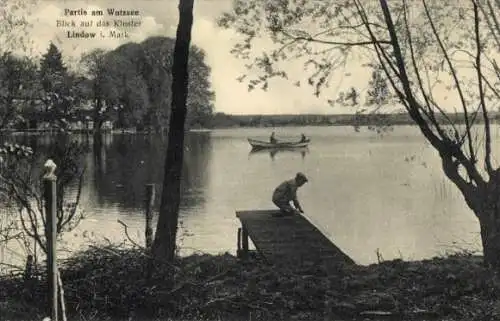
<point x="232" y="121"/>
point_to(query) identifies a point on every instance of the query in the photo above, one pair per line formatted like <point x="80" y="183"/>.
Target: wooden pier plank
<point x="290" y="240"/>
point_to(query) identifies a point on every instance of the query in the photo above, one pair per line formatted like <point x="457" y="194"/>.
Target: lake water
<point x="368" y="193"/>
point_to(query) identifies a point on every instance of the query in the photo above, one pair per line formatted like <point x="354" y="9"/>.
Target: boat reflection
<point x="274" y="151"/>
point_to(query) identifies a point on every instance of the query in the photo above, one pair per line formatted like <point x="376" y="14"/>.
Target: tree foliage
<point x="58" y="88"/>
<point x="129" y="86"/>
<point x="200" y="94"/>
<point x="137" y="78"/>
<point x="378" y="90"/>
<point x="17" y="87"/>
<point x="14" y="25"/>
<point x="16" y="71"/>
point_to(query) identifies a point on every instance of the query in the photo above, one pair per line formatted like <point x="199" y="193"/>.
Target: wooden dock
<point x="290" y="241"/>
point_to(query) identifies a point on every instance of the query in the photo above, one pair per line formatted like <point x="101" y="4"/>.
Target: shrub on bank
<point x="111" y="281"/>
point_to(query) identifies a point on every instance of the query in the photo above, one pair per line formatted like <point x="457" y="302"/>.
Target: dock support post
<point x="244" y="239"/>
<point x="150" y="198"/>
<point x="238" y="244"/>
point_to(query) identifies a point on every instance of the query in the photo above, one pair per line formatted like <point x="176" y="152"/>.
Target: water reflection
<point x="125" y="163"/>
<point x="196" y="175"/>
<point x="117" y="167"/>
<point x="274" y="151"/>
<point x="100" y="145"/>
<point x="56" y="147"/>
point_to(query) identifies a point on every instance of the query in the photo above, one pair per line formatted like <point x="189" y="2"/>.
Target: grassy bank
<point x="111" y="283"/>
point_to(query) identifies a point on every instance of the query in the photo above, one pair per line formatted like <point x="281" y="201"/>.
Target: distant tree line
<point x="222" y="120"/>
<point x="129" y="86"/>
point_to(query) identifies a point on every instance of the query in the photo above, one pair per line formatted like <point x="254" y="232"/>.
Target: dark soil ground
<point x="112" y="283"/>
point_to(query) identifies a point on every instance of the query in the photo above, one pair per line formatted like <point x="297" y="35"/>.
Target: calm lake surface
<point x="368" y="193"/>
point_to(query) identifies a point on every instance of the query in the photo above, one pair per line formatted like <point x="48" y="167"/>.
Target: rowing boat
<point x="260" y="144"/>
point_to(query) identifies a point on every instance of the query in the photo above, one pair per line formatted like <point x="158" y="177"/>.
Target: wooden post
<point x="28" y="270"/>
<point x="244" y="239"/>
<point x="150" y="199"/>
<point x="238" y="251"/>
<point x="49" y="185"/>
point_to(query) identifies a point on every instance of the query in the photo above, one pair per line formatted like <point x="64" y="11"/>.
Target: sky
<point x="160" y="17"/>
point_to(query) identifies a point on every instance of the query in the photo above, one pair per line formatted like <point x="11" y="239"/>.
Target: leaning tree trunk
<point x="490" y="238"/>
<point x="166" y="230"/>
<point x="488" y="214"/>
<point x="483" y="198"/>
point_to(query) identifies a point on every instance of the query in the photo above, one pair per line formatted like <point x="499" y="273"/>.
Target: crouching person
<point x="286" y="194"/>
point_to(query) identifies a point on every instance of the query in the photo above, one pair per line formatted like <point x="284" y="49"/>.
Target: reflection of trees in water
<point x="127" y="162"/>
<point x="100" y="143"/>
<point x="123" y="167"/>
<point x="195" y="171"/>
<point x="118" y="166"/>
<point x="45" y="146"/>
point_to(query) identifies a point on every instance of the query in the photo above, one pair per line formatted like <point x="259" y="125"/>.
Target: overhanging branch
<point x="429" y="104"/>
<point x="487" y="133"/>
<point x="455" y="78"/>
<point x="338" y="43"/>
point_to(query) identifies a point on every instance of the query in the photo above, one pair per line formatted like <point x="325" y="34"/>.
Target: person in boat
<point x="303" y="138"/>
<point x="272" y="139"/>
<point x="286" y="193"/>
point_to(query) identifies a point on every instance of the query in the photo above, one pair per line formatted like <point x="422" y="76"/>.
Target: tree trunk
<point x="490" y="238"/>
<point x="488" y="213"/>
<point x="484" y="201"/>
<point x="166" y="231"/>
